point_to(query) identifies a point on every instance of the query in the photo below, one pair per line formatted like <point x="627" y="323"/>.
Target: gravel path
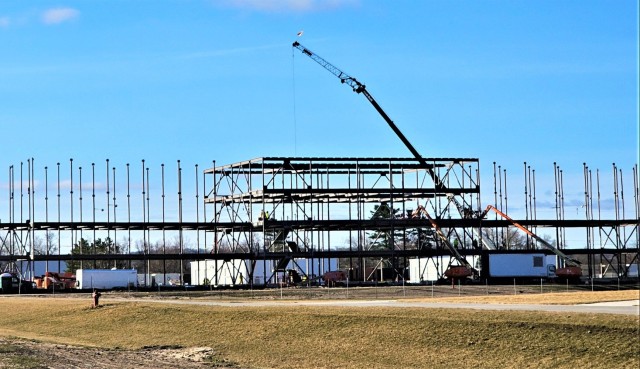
<point x="630" y="307"/>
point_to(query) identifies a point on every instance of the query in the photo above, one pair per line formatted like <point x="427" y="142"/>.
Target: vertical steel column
<point x="164" y="238"/>
<point x="108" y="206"/>
<point x="72" y="230"/>
<point x="80" y="203"/>
<point x="147" y="229"/>
<point x="46" y="215"/>
<point x="93" y="200"/>
<point x="32" y="217"/>
<point x="180" y="223"/>
<point x="116" y="248"/>
<point x="59" y="238"/>
<point x="129" y="212"/>
<point x="197" y="211"/>
<point x="145" y="244"/>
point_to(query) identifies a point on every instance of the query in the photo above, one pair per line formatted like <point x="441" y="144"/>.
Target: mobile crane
<point x="465" y="269"/>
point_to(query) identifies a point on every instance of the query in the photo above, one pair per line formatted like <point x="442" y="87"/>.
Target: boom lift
<point x="572" y="266"/>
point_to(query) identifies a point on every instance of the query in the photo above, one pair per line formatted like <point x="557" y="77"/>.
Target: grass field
<point x="339" y="337"/>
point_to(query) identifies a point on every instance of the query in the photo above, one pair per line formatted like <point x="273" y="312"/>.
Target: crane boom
<point x="422" y="211"/>
<point x="361" y="88"/>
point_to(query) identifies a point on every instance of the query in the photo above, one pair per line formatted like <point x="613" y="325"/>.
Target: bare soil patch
<point x="19" y="353"/>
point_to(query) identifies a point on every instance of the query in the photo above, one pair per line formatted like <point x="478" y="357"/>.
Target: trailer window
<point x="537" y="261"/>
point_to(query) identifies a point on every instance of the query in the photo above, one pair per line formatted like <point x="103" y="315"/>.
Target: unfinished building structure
<point x="358" y="210"/>
<point x="258" y="221"/>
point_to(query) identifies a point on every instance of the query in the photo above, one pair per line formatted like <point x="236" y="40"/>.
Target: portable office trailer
<point x="521" y="265"/>
<point x="106" y="279"/>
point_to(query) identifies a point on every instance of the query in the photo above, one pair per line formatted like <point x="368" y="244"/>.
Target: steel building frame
<point x="277" y="211"/>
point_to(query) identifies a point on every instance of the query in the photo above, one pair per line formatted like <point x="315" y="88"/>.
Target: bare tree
<point x="45" y="245"/>
<point x="509" y="238"/>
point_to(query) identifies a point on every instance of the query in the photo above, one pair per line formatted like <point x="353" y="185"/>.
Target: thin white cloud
<point x="280" y="6"/>
<point x="4" y="22"/>
<point x="59" y="15"/>
<point x="224" y="52"/>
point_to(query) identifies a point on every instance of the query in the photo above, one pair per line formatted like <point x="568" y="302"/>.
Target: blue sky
<point x="503" y="81"/>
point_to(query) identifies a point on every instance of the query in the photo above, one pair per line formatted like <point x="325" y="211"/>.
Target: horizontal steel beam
<point x="399" y="223"/>
<point x="333" y="254"/>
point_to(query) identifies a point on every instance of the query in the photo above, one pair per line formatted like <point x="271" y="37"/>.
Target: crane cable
<point x="295" y="123"/>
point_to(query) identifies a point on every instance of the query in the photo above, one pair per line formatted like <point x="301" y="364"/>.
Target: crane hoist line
<point x="362" y="89"/>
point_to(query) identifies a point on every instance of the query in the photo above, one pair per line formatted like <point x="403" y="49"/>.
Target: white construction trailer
<point x="237" y="271"/>
<point x="106" y="279"/>
<point x="432" y="269"/>
<point x="529" y="265"/>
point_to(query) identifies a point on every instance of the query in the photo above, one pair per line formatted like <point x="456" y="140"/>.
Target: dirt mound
<point x="18" y="353"/>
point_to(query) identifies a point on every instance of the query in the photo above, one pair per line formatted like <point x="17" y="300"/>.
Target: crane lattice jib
<point x="344" y="78"/>
<point x="361" y="88"/>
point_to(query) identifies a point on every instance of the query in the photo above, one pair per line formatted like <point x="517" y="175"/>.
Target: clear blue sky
<point x="504" y="81"/>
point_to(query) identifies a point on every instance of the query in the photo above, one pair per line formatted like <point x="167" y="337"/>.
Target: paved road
<point x="620" y="307"/>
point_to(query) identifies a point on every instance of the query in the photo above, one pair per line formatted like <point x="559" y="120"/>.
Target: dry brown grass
<point x="336" y="337"/>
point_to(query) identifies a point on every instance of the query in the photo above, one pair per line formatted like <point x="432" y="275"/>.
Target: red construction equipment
<point x="571" y="269"/>
<point x="334" y="278"/>
<point x="461" y="271"/>
<point x="55" y="281"/>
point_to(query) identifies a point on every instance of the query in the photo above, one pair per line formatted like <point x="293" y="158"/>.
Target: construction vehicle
<point x="571" y="268"/>
<point x="55" y="281"/>
<point x="462" y="271"/>
<point x="334" y="278"/>
<point x="454" y="272"/>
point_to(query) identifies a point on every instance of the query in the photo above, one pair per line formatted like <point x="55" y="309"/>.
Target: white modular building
<point x="432" y="269"/>
<point x="106" y="279"/>
<point x="532" y="265"/>
<point x="427" y="269"/>
<point x="239" y="271"/>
